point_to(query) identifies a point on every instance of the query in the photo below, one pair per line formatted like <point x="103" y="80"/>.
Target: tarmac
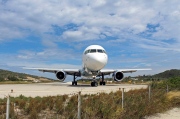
<point x="58" y="88"/>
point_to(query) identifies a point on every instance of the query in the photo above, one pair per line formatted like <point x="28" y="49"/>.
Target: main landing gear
<point x="74" y="82"/>
<point x="102" y="82"/>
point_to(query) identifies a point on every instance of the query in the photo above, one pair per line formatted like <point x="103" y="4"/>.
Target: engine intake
<point x="118" y="76"/>
<point x="61" y="75"/>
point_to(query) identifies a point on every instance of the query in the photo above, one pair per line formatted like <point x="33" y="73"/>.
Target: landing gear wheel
<point x="74" y="83"/>
<point x="94" y="83"/>
<point x="102" y="83"/>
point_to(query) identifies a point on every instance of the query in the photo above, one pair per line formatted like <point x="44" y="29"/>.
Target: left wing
<point x="68" y="71"/>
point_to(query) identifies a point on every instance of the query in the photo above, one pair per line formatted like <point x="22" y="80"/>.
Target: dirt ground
<point x="171" y="114"/>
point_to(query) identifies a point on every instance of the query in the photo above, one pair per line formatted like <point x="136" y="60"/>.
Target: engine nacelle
<point x="118" y="76"/>
<point x="61" y="75"/>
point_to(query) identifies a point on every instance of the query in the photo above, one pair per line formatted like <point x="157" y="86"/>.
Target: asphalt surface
<point x="57" y="88"/>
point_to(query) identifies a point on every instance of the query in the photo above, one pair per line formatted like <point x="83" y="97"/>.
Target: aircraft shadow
<point x="84" y="85"/>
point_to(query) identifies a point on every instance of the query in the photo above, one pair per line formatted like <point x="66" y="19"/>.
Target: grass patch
<point x="22" y="82"/>
<point x="15" y="82"/>
<point x="173" y="94"/>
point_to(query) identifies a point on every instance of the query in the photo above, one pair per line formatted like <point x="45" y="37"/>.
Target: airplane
<point x="94" y="59"/>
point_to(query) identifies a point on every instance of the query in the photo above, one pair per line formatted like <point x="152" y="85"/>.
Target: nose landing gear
<point x="94" y="83"/>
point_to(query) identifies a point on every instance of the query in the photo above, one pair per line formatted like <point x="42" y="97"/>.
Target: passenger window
<point x="92" y="50"/>
<point x="99" y="51"/>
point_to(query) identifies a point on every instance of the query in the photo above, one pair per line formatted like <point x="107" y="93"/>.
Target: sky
<point x="54" y="34"/>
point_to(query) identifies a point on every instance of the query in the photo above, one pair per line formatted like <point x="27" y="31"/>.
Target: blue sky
<point x="54" y="33"/>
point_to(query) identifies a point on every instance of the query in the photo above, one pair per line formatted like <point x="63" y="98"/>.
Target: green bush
<point x="1" y="78"/>
<point x="13" y="78"/>
<point x="174" y="83"/>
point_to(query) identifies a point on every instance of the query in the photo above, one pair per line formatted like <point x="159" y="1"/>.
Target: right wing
<point x="109" y="71"/>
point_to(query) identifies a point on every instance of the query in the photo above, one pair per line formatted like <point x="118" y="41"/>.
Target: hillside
<point x="6" y="75"/>
<point x="168" y="74"/>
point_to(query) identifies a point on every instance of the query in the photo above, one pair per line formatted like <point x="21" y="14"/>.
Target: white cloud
<point x="55" y="54"/>
<point x="112" y="17"/>
<point x="83" y="33"/>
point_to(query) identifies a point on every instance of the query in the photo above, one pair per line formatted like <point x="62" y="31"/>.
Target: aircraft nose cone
<point x="98" y="62"/>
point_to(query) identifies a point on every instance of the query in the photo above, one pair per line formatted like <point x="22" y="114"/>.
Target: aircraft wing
<point x="109" y="71"/>
<point x="68" y="71"/>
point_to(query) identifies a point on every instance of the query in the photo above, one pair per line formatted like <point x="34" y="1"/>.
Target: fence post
<point x="7" y="107"/>
<point x="79" y="105"/>
<point x="122" y="98"/>
<point x="167" y="88"/>
<point x="149" y="92"/>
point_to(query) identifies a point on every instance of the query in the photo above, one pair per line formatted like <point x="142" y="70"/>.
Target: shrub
<point x="33" y="115"/>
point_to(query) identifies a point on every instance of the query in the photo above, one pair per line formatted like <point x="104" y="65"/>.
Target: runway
<point x="58" y="88"/>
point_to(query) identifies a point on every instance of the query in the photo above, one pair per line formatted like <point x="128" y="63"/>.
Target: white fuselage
<point x="94" y="59"/>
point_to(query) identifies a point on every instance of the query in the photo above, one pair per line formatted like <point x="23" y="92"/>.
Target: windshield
<point x="99" y="50"/>
<point x="95" y="51"/>
<point x="92" y="50"/>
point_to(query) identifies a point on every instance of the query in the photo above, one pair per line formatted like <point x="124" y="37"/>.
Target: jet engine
<point x="118" y="76"/>
<point x="61" y="75"/>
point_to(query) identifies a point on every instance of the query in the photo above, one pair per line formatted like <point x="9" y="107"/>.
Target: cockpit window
<point x="104" y="51"/>
<point x="87" y="51"/>
<point x="92" y="50"/>
<point x="95" y="51"/>
<point x="99" y="51"/>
